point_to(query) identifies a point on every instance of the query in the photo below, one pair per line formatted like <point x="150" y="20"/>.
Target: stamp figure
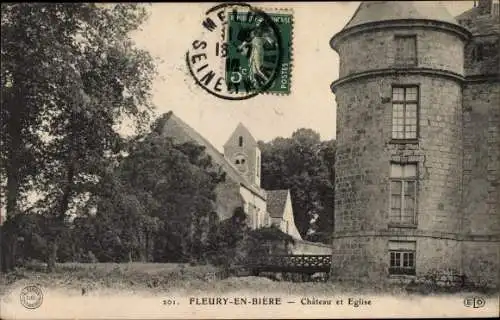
<point x="260" y="56"/>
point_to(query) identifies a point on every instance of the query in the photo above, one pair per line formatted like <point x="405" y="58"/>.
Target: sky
<point x="172" y="27"/>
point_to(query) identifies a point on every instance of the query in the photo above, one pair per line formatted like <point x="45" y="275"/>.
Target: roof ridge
<point x="226" y="164"/>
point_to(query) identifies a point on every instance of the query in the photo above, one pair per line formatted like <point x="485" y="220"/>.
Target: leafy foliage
<point x="235" y="244"/>
<point x="154" y="206"/>
<point x="70" y="74"/>
<point x="305" y="165"/>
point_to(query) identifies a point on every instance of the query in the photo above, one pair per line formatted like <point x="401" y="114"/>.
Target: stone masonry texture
<point x="457" y="153"/>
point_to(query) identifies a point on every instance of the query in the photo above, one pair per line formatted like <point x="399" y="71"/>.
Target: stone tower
<point x="481" y="116"/>
<point x="399" y="156"/>
<point x="243" y="152"/>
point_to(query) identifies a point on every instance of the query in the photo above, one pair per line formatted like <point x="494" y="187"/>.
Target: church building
<point x="418" y="143"/>
<point x="241" y="161"/>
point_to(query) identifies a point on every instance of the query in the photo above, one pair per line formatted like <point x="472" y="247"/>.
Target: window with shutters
<point x="405" y="101"/>
<point x="402" y="257"/>
<point x="403" y="187"/>
<point x="406" y="50"/>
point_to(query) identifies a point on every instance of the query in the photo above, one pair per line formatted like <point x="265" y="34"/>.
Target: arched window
<point x="240" y="141"/>
<point x="242" y="161"/>
<point x="237" y="161"/>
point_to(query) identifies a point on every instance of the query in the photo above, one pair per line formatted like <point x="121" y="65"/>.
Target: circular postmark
<point x="31" y="297"/>
<point x="239" y="54"/>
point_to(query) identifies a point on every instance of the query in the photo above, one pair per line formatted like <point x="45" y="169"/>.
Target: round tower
<point x="398" y="163"/>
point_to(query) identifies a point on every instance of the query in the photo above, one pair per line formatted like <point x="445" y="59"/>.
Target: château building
<point x="418" y="142"/>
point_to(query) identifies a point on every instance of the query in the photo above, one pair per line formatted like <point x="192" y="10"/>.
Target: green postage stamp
<point x="259" y="57"/>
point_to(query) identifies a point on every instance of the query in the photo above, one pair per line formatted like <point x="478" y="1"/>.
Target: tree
<point x="70" y="74"/>
<point x="162" y="191"/>
<point x="305" y="165"/>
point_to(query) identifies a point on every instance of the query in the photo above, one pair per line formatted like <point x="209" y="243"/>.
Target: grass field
<point x="107" y="290"/>
<point x="171" y="277"/>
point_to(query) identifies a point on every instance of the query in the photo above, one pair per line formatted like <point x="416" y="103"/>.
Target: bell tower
<point x="242" y="151"/>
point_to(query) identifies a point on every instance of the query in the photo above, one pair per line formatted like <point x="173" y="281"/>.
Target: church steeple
<point x="242" y="151"/>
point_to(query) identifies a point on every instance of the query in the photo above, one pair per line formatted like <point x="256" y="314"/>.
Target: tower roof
<point x="241" y="130"/>
<point x="371" y="15"/>
<point x="377" y="11"/>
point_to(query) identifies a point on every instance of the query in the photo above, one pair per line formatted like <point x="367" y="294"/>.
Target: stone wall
<point x="435" y="49"/>
<point x="359" y="258"/>
<point x="228" y="198"/>
<point x="481" y="263"/>
<point x="255" y="207"/>
<point x="481" y="198"/>
<point x="482" y="55"/>
<point x="366" y="258"/>
<point x="458" y="154"/>
<point x="481" y="175"/>
<point x="364" y="151"/>
<point x="312" y="248"/>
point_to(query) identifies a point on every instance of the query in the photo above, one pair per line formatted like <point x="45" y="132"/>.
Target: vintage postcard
<point x="260" y="160"/>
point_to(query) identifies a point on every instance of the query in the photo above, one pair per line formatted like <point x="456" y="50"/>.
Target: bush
<point x="235" y="245"/>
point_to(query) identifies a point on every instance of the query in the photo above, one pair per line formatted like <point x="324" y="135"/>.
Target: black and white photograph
<point x="250" y="160"/>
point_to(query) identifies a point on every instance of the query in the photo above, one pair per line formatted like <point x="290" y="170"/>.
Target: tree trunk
<point x="13" y="167"/>
<point x="8" y="249"/>
<point x="67" y="188"/>
<point x="52" y="258"/>
<point x="146" y="247"/>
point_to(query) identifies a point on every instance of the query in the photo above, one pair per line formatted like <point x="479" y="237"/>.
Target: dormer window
<point x="240" y="141"/>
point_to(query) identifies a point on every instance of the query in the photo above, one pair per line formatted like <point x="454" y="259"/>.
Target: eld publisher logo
<point x="474" y="302"/>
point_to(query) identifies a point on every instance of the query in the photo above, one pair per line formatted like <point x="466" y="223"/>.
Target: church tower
<point x="399" y="155"/>
<point x="243" y="152"/>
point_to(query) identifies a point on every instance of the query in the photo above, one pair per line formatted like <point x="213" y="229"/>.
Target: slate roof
<point x="375" y="11"/>
<point x="181" y="132"/>
<point x="479" y="23"/>
<point x="276" y="201"/>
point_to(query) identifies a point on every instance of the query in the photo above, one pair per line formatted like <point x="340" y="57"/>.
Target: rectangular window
<point x="402" y="257"/>
<point x="403" y="186"/>
<point x="406" y="50"/>
<point x="258" y="166"/>
<point x="404" y="112"/>
<point x="256" y="217"/>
